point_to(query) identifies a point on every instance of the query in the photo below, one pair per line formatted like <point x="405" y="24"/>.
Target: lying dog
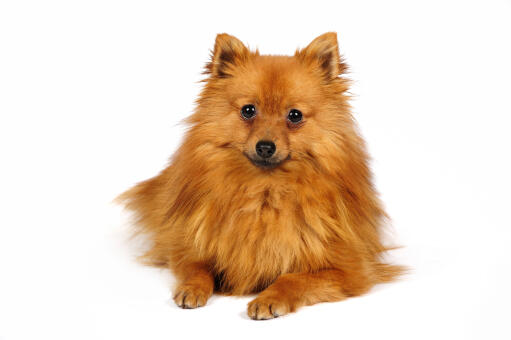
<point x="270" y="192"/>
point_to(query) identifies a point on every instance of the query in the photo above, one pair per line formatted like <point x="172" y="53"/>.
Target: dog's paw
<point x="190" y="296"/>
<point x="267" y="307"/>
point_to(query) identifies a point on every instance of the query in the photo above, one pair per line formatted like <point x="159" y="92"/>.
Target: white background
<point x="91" y="96"/>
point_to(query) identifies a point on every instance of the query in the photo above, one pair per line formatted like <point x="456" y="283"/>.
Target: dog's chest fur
<point x="259" y="233"/>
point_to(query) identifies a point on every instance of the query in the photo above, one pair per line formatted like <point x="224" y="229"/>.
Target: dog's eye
<point x="248" y="111"/>
<point x="294" y="116"/>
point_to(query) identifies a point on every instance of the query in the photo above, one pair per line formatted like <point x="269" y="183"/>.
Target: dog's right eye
<point x="248" y="111"/>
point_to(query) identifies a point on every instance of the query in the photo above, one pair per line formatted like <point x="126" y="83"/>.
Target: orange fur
<point x="306" y="231"/>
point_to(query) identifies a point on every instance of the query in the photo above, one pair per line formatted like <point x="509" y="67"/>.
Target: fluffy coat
<point x="306" y="231"/>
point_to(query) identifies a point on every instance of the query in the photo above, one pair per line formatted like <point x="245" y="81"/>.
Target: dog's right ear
<point x="228" y="52"/>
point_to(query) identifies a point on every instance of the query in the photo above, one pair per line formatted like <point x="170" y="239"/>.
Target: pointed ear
<point x="324" y="51"/>
<point x="228" y="52"/>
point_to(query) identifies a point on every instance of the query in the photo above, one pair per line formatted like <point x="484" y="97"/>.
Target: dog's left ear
<point x="324" y="51"/>
<point x="228" y="52"/>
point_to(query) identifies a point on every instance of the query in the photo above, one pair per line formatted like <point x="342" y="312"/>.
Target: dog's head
<point x="274" y="110"/>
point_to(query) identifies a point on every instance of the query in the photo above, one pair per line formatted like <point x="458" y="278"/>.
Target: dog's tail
<point x="385" y="272"/>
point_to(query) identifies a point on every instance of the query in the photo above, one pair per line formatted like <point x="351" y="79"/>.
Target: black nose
<point x="265" y="148"/>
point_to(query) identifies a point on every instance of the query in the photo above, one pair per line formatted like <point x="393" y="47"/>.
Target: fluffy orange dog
<point x="270" y="191"/>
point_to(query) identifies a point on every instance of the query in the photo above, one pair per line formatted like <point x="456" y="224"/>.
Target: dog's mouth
<point x="267" y="164"/>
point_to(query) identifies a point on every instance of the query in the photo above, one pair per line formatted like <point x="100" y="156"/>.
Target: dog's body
<point x="277" y="199"/>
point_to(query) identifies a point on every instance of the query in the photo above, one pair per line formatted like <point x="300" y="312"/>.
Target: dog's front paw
<point x="191" y="296"/>
<point x="266" y="307"/>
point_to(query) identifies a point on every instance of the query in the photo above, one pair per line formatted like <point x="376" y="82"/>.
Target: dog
<point x="270" y="191"/>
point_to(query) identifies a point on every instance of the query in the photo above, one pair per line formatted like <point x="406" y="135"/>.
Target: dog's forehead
<point x="278" y="80"/>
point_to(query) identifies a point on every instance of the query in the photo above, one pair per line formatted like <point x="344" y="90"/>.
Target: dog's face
<point x="273" y="109"/>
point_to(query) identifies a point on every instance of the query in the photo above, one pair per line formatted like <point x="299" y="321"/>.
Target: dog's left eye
<point x="294" y="116"/>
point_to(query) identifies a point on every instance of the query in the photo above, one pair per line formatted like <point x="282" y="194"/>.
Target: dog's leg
<point x="292" y="291"/>
<point x="195" y="285"/>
